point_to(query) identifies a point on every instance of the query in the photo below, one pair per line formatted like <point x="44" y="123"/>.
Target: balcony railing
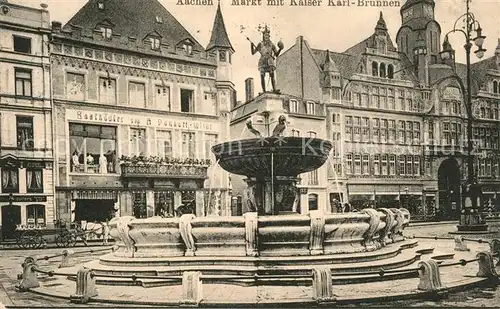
<point x="160" y="170"/>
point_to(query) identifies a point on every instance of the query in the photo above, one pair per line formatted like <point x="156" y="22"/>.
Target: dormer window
<point x="155" y="43"/>
<point x="188" y="48"/>
<point x="159" y="19"/>
<point x="106" y="33"/>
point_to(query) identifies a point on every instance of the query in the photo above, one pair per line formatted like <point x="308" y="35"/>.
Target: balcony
<point x="164" y="168"/>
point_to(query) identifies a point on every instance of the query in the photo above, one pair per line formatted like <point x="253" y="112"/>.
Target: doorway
<point x="449" y="190"/>
<point x="11" y="217"/>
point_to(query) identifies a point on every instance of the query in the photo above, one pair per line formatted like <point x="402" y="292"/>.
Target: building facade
<point x="396" y="114"/>
<point x="138" y="106"/>
<point x="26" y="156"/>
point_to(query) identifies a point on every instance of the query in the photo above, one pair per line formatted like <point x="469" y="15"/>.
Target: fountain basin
<point x="258" y="236"/>
<point x="290" y="156"/>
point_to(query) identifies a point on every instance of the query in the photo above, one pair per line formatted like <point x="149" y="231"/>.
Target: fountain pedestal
<point x="260" y="192"/>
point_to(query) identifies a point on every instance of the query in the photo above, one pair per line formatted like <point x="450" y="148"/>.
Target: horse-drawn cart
<point x="34" y="237"/>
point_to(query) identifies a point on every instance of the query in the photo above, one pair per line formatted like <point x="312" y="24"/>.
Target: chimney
<point x="56" y="26"/>
<point x="249" y="89"/>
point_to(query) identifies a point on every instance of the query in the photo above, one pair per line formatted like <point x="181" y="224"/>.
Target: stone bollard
<point x="460" y="244"/>
<point x="430" y="278"/>
<point x="29" y="278"/>
<point x="486" y="265"/>
<point x="322" y="284"/>
<point x="68" y="259"/>
<point x="85" y="287"/>
<point x="192" y="288"/>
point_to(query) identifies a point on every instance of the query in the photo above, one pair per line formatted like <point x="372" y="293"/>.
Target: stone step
<point x="382" y="253"/>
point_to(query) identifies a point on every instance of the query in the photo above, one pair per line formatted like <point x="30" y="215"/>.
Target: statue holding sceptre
<point x="268" y="53"/>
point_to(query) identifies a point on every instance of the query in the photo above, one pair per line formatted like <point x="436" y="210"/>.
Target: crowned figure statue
<point x="268" y="54"/>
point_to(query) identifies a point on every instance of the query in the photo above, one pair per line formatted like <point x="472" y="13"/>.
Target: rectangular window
<point x="366" y="164"/>
<point x="162" y="98"/>
<point x="188" y="145"/>
<point x="75" y="86"/>
<point x="349" y="164"/>
<point x="136" y="94"/>
<point x="138" y="142"/>
<point x="357" y="99"/>
<point x="25" y="134"/>
<point x="23" y="82"/>
<point x="384" y="170"/>
<point x="35" y="215"/>
<point x="336" y="94"/>
<point x="416" y="165"/>
<point x="92" y="148"/>
<point x="294" y="106"/>
<point x="409" y="165"/>
<point x="10" y="180"/>
<point x="313" y="178"/>
<point x="210" y="140"/>
<point x="402" y="132"/>
<point x="348" y="133"/>
<point x="164" y="143"/>
<point x="34" y="181"/>
<point x="402" y="165"/>
<point x="310" y="108"/>
<point x="376" y="165"/>
<point x="107" y="33"/>
<point x="392" y="165"/>
<point x="187" y="101"/>
<point x="357" y="164"/>
<point x="155" y="43"/>
<point x="107" y="90"/>
<point x="22" y="44"/>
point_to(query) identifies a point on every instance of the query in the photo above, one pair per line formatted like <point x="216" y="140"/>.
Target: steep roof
<point x="219" y="36"/>
<point x="478" y="73"/>
<point x="409" y="3"/>
<point x="137" y="18"/>
<point x="346" y="64"/>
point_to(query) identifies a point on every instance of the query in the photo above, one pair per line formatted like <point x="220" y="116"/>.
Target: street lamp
<point x="470" y="219"/>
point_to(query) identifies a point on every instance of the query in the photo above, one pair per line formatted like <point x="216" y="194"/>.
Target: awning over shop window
<point x="95" y="195"/>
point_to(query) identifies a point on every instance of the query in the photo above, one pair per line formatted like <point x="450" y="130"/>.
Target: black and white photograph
<point x="249" y="153"/>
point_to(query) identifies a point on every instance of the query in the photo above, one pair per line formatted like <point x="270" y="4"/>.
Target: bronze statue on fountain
<point x="268" y="53"/>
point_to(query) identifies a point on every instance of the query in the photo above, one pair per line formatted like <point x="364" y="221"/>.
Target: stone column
<point x="217" y="203"/>
<point x="177" y="199"/>
<point x="200" y="203"/>
<point x="150" y="203"/>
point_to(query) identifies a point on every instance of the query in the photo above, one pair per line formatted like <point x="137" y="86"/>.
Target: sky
<point x="334" y="28"/>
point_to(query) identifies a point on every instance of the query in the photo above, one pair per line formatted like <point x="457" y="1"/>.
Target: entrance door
<point x="449" y="190"/>
<point x="11" y="216"/>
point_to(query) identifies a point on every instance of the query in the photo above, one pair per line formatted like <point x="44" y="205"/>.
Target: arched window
<point x="390" y="71"/>
<point x="382" y="70"/>
<point x="495" y="87"/>
<point x="313" y="202"/>
<point x="374" y="68"/>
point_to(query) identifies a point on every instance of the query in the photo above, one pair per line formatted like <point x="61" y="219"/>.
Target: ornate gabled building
<point x="397" y="117"/>
<point x="138" y="103"/>
<point x="26" y="156"/>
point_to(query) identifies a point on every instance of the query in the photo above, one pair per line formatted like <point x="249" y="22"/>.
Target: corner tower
<point x="221" y="46"/>
<point x="420" y="34"/>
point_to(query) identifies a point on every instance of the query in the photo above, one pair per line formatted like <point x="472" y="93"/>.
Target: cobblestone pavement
<point x="11" y="260"/>
<point x="10" y="266"/>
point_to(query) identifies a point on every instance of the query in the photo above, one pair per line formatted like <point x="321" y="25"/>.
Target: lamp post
<point x="470" y="219"/>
